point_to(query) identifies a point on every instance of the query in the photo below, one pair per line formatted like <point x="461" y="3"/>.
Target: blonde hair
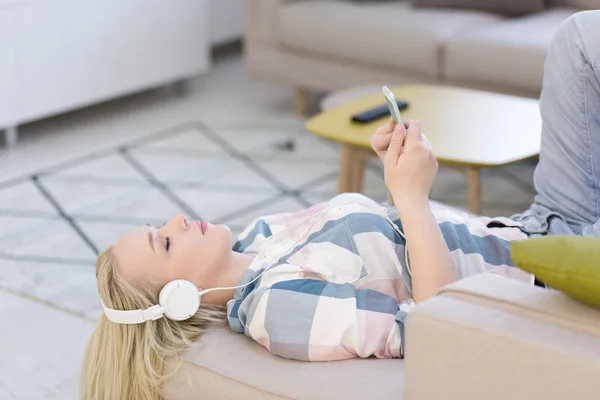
<point x="128" y="361"/>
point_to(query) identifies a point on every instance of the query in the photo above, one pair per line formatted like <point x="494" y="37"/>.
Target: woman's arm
<point x="410" y="168"/>
<point x="430" y="262"/>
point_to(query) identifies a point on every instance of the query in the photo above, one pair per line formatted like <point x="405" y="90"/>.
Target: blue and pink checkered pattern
<point x="334" y="282"/>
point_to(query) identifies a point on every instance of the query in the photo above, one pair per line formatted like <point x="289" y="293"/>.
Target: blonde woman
<point x="335" y="282"/>
<point x="331" y="282"/>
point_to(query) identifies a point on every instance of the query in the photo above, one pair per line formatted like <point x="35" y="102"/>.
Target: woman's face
<point x="180" y="249"/>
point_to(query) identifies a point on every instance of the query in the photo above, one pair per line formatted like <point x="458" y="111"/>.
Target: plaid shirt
<point x="335" y="285"/>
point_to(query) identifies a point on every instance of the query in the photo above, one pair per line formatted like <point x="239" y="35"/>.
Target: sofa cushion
<point x="507" y="7"/>
<point x="508" y="53"/>
<point x="228" y="365"/>
<point x="570" y="264"/>
<point x="581" y="4"/>
<point x="532" y="302"/>
<point x="488" y="337"/>
<point x="387" y="34"/>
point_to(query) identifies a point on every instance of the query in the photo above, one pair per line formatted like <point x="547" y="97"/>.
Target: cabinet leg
<point x="181" y="87"/>
<point x="11" y="135"/>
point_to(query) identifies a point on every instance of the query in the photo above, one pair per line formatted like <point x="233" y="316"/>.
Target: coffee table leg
<point x="300" y="101"/>
<point x="358" y="176"/>
<point x="474" y="183"/>
<point x="346" y="170"/>
<point x="352" y="165"/>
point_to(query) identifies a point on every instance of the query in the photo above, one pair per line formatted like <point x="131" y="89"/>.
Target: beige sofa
<point x="486" y="337"/>
<point x="326" y="45"/>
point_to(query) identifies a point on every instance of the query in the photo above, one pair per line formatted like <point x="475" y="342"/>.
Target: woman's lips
<point x="203" y="225"/>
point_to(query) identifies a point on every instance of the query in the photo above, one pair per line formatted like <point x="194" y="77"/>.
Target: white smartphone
<point x="392" y="105"/>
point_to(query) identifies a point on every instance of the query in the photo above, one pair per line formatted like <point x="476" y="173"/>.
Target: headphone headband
<point x="133" y="316"/>
<point x="178" y="300"/>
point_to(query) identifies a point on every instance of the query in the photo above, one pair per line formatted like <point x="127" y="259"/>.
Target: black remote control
<point x="371" y="115"/>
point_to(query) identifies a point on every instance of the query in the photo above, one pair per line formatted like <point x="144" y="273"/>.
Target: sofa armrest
<point x="489" y="337"/>
<point x="261" y="20"/>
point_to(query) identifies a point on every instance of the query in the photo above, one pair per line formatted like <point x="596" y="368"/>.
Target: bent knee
<point x="582" y="31"/>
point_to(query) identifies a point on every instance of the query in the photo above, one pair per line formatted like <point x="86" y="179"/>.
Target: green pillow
<point x="570" y="264"/>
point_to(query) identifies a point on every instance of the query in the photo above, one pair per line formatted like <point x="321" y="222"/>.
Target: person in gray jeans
<point x="567" y="177"/>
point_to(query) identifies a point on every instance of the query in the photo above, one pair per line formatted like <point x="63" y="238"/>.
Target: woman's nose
<point x="178" y="222"/>
<point x="182" y="221"/>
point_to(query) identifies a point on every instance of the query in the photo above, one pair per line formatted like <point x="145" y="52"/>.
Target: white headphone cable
<point x="381" y="211"/>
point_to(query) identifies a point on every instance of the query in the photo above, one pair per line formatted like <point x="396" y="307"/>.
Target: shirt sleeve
<point x="312" y="320"/>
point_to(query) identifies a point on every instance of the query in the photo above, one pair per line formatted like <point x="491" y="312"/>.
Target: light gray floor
<point x="99" y="172"/>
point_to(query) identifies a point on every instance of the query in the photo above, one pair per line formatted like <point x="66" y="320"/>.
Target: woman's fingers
<point x="426" y="141"/>
<point x="382" y="136"/>
<point x="380" y="141"/>
<point x="384" y="141"/>
<point x="395" y="147"/>
<point x="386" y="129"/>
<point x="413" y="133"/>
<point x="390" y="125"/>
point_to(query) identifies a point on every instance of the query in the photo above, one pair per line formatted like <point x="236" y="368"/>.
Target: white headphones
<point x="180" y="299"/>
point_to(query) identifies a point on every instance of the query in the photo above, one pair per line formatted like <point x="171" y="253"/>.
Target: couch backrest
<point x="582" y="4"/>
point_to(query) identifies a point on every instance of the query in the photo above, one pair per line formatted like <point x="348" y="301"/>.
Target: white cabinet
<point x="226" y="20"/>
<point x="8" y="73"/>
<point x="71" y="53"/>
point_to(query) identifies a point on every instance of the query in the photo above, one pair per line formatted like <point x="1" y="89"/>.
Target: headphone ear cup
<point x="180" y="299"/>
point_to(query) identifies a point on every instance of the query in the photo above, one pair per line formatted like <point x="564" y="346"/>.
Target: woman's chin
<point x="225" y="230"/>
<point x="221" y="227"/>
<point x="228" y="230"/>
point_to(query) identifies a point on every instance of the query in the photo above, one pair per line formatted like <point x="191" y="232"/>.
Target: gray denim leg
<point x="567" y="176"/>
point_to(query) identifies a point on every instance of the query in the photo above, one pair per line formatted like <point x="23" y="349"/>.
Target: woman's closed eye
<point x="156" y="227"/>
<point x="167" y="239"/>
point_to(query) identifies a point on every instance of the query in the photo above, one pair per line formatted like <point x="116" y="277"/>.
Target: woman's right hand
<point x="380" y="140"/>
<point x="410" y="167"/>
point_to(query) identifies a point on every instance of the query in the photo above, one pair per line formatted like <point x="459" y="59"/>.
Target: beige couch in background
<point x="325" y="45"/>
<point x="483" y="338"/>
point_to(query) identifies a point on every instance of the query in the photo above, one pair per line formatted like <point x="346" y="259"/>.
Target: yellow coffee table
<point x="466" y="127"/>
